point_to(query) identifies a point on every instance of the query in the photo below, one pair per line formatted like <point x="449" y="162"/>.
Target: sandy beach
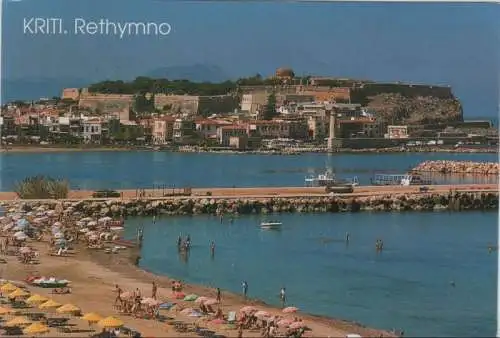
<point x="93" y="276"/>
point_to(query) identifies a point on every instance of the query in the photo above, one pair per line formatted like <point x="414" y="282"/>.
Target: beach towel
<point x="167" y="306"/>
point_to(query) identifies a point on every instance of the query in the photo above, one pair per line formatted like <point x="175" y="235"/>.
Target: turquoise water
<point x="406" y="286"/>
<point x="115" y="170"/>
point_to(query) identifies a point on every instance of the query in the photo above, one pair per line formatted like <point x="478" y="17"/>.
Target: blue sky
<point x="452" y="44"/>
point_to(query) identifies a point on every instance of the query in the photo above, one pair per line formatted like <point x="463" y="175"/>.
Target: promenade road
<point x="283" y="192"/>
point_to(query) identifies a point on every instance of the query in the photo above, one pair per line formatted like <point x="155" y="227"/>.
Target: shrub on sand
<point x="41" y="187"/>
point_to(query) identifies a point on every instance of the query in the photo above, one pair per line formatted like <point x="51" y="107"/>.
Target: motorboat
<point x="270" y="225"/>
<point x="329" y="179"/>
<point x="320" y="180"/>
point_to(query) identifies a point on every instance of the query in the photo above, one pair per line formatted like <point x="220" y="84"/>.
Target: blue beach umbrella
<point x="22" y="222"/>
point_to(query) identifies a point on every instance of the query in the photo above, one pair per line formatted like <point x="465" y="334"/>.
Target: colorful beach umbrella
<point x="36" y="299"/>
<point x="68" y="308"/>
<point x="110" y="322"/>
<point x="18" y="293"/>
<point x="50" y="304"/>
<point x="18" y="321"/>
<point x="9" y="287"/>
<point x="290" y="309"/>
<point x="36" y="328"/>
<point x="92" y="317"/>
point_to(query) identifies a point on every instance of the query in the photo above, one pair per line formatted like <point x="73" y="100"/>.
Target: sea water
<point x="163" y="170"/>
<point x="435" y="276"/>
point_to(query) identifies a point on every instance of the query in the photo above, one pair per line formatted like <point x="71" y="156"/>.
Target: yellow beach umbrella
<point x="50" y="304"/>
<point x="34" y="299"/>
<point x="5" y="311"/>
<point x="92" y="317"/>
<point x="36" y="328"/>
<point x="68" y="308"/>
<point x="18" y="293"/>
<point x="18" y="321"/>
<point x="9" y="287"/>
<point x="110" y="322"/>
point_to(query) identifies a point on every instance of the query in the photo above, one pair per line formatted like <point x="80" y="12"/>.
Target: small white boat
<point x="270" y="225"/>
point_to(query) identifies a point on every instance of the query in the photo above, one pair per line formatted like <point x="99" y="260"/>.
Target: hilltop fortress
<point x="402" y="103"/>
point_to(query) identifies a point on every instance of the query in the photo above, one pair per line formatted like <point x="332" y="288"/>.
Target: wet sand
<point x="93" y="275"/>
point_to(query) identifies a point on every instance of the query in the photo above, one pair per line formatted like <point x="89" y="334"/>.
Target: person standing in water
<point x="212" y="248"/>
<point x="347" y="237"/>
<point x="179" y="241"/>
<point x="154" y="219"/>
<point x="244" y="285"/>
<point x="283" y="296"/>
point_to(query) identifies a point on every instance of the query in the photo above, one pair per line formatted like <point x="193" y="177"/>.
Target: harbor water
<point x="435" y="276"/>
<point x="135" y="169"/>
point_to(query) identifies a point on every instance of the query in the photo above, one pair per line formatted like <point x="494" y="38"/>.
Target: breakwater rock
<point x="459" y="167"/>
<point x="458" y="201"/>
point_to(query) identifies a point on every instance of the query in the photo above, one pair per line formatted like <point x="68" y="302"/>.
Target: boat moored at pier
<point x="329" y="179"/>
<point x="402" y="179"/>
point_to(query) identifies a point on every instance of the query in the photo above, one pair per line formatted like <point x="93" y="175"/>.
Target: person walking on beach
<point x="244" y="285"/>
<point x="283" y="296"/>
<point x="118" y="299"/>
<point x="154" y="289"/>
<point x="218" y="295"/>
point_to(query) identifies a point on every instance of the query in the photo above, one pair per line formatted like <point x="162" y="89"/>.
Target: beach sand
<point x="94" y="274"/>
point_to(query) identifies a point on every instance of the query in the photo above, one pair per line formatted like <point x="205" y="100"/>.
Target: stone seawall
<point x="459" y="201"/>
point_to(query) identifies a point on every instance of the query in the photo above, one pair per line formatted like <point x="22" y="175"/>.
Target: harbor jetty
<point x="459" y="167"/>
<point x="453" y="198"/>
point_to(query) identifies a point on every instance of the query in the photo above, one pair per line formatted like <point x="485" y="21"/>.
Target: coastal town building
<point x="92" y="130"/>
<point x="163" y="130"/>
<point x="397" y="132"/>
<point x="253" y="102"/>
<point x="183" y="131"/>
<point x="224" y="133"/>
<point x="207" y="128"/>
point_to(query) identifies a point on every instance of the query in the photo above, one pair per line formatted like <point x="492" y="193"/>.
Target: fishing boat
<point x="321" y="180"/>
<point x="270" y="225"/>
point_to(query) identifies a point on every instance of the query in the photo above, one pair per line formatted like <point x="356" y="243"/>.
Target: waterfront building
<point x="92" y="130"/>
<point x="224" y="133"/>
<point x="163" y="129"/>
<point x="183" y="130"/>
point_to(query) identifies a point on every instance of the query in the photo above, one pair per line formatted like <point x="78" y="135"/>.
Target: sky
<point x="435" y="43"/>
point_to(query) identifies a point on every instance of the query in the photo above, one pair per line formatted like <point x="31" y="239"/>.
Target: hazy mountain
<point x="196" y="73"/>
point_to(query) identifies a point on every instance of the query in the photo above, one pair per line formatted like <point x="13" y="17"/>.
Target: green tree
<point x="270" y="108"/>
